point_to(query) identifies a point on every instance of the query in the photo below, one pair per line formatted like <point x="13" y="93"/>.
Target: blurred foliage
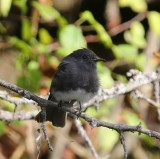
<point x="44" y="36"/>
<point x="5" y="7"/>
<point x="154" y="21"/>
<point x="102" y="34"/>
<point x="67" y="37"/>
<point x="136" y="5"/>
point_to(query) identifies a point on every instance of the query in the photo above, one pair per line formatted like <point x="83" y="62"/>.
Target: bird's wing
<point x="64" y="78"/>
<point x="64" y="68"/>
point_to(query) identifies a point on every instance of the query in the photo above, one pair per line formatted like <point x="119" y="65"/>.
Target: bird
<point x="76" y="79"/>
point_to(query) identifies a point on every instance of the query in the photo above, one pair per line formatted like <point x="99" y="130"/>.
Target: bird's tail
<point x="55" y="115"/>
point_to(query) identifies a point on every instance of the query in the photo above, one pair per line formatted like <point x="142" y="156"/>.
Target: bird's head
<point x="86" y="55"/>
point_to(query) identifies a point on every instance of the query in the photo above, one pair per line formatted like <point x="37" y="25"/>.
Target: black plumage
<point x="76" y="79"/>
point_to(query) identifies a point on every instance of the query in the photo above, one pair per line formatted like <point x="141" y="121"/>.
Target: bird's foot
<point x="78" y="114"/>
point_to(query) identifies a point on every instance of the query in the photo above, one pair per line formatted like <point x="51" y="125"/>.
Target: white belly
<point x="78" y="95"/>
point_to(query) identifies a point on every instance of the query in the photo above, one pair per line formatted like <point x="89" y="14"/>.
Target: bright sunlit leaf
<point x="71" y="38"/>
<point x="22" y="5"/>
<point x="101" y="32"/>
<point x="44" y="36"/>
<point x="105" y="77"/>
<point x="140" y="62"/>
<point x="107" y="138"/>
<point x="136" y="35"/>
<point x="154" y="21"/>
<point x="26" y="29"/>
<point x="126" y="52"/>
<point x="135" y="5"/>
<point x="2" y="127"/>
<point x="5" y="6"/>
<point x="49" y="13"/>
<point x="132" y="118"/>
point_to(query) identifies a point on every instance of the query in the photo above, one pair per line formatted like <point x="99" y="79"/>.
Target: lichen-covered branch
<point x="137" y="79"/>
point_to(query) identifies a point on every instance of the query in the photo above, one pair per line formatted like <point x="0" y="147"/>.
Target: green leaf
<point x="120" y="78"/>
<point x="49" y="13"/>
<point x="39" y="47"/>
<point x="8" y="106"/>
<point x="107" y="138"/>
<point x="2" y="127"/>
<point x="20" y="44"/>
<point x="22" y="5"/>
<point x="126" y="52"/>
<point x="5" y="6"/>
<point x="44" y="36"/>
<point x="136" y="35"/>
<point x="33" y="65"/>
<point x="105" y="77"/>
<point x="154" y="21"/>
<point x="135" y="5"/>
<point x="26" y="29"/>
<point x="140" y="62"/>
<point x="101" y="32"/>
<point x="71" y="38"/>
<point x="132" y="118"/>
<point x="103" y="111"/>
<point x="30" y="81"/>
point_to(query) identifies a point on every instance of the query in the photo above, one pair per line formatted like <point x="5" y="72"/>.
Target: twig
<point x="138" y="94"/>
<point x="85" y="137"/>
<point x="124" y="26"/>
<point x="16" y="100"/>
<point x="43" y="126"/>
<point x="38" y="142"/>
<point x="157" y="91"/>
<point x="123" y="142"/>
<point x="137" y="80"/>
<point x="8" y="116"/>
<point x="93" y="121"/>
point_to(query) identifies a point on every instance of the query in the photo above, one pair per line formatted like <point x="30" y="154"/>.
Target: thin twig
<point x="139" y="94"/>
<point x="85" y="137"/>
<point x="93" y="121"/>
<point x="137" y="80"/>
<point x="43" y="126"/>
<point x="8" y="116"/>
<point x="126" y="25"/>
<point x="123" y="142"/>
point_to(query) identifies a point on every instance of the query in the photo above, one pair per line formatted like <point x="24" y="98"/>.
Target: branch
<point x="123" y="142"/>
<point x="14" y="116"/>
<point x="126" y="25"/>
<point x="140" y="95"/>
<point x="86" y="138"/>
<point x="138" y="79"/>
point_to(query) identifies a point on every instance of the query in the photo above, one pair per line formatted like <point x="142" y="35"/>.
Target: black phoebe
<point x="75" y="80"/>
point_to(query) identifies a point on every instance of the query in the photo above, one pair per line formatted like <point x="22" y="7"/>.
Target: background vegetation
<point x="34" y="38"/>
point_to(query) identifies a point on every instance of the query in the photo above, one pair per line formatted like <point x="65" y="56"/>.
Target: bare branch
<point x="93" y="121"/>
<point x="11" y="116"/>
<point x="123" y="142"/>
<point x="138" y="79"/>
<point x="139" y="94"/>
<point x="43" y="126"/>
<point x="85" y="137"/>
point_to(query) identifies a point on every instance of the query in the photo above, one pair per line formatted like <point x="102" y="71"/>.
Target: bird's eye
<point x="85" y="57"/>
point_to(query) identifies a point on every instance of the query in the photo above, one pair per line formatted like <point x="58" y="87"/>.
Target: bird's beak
<point x="99" y="59"/>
